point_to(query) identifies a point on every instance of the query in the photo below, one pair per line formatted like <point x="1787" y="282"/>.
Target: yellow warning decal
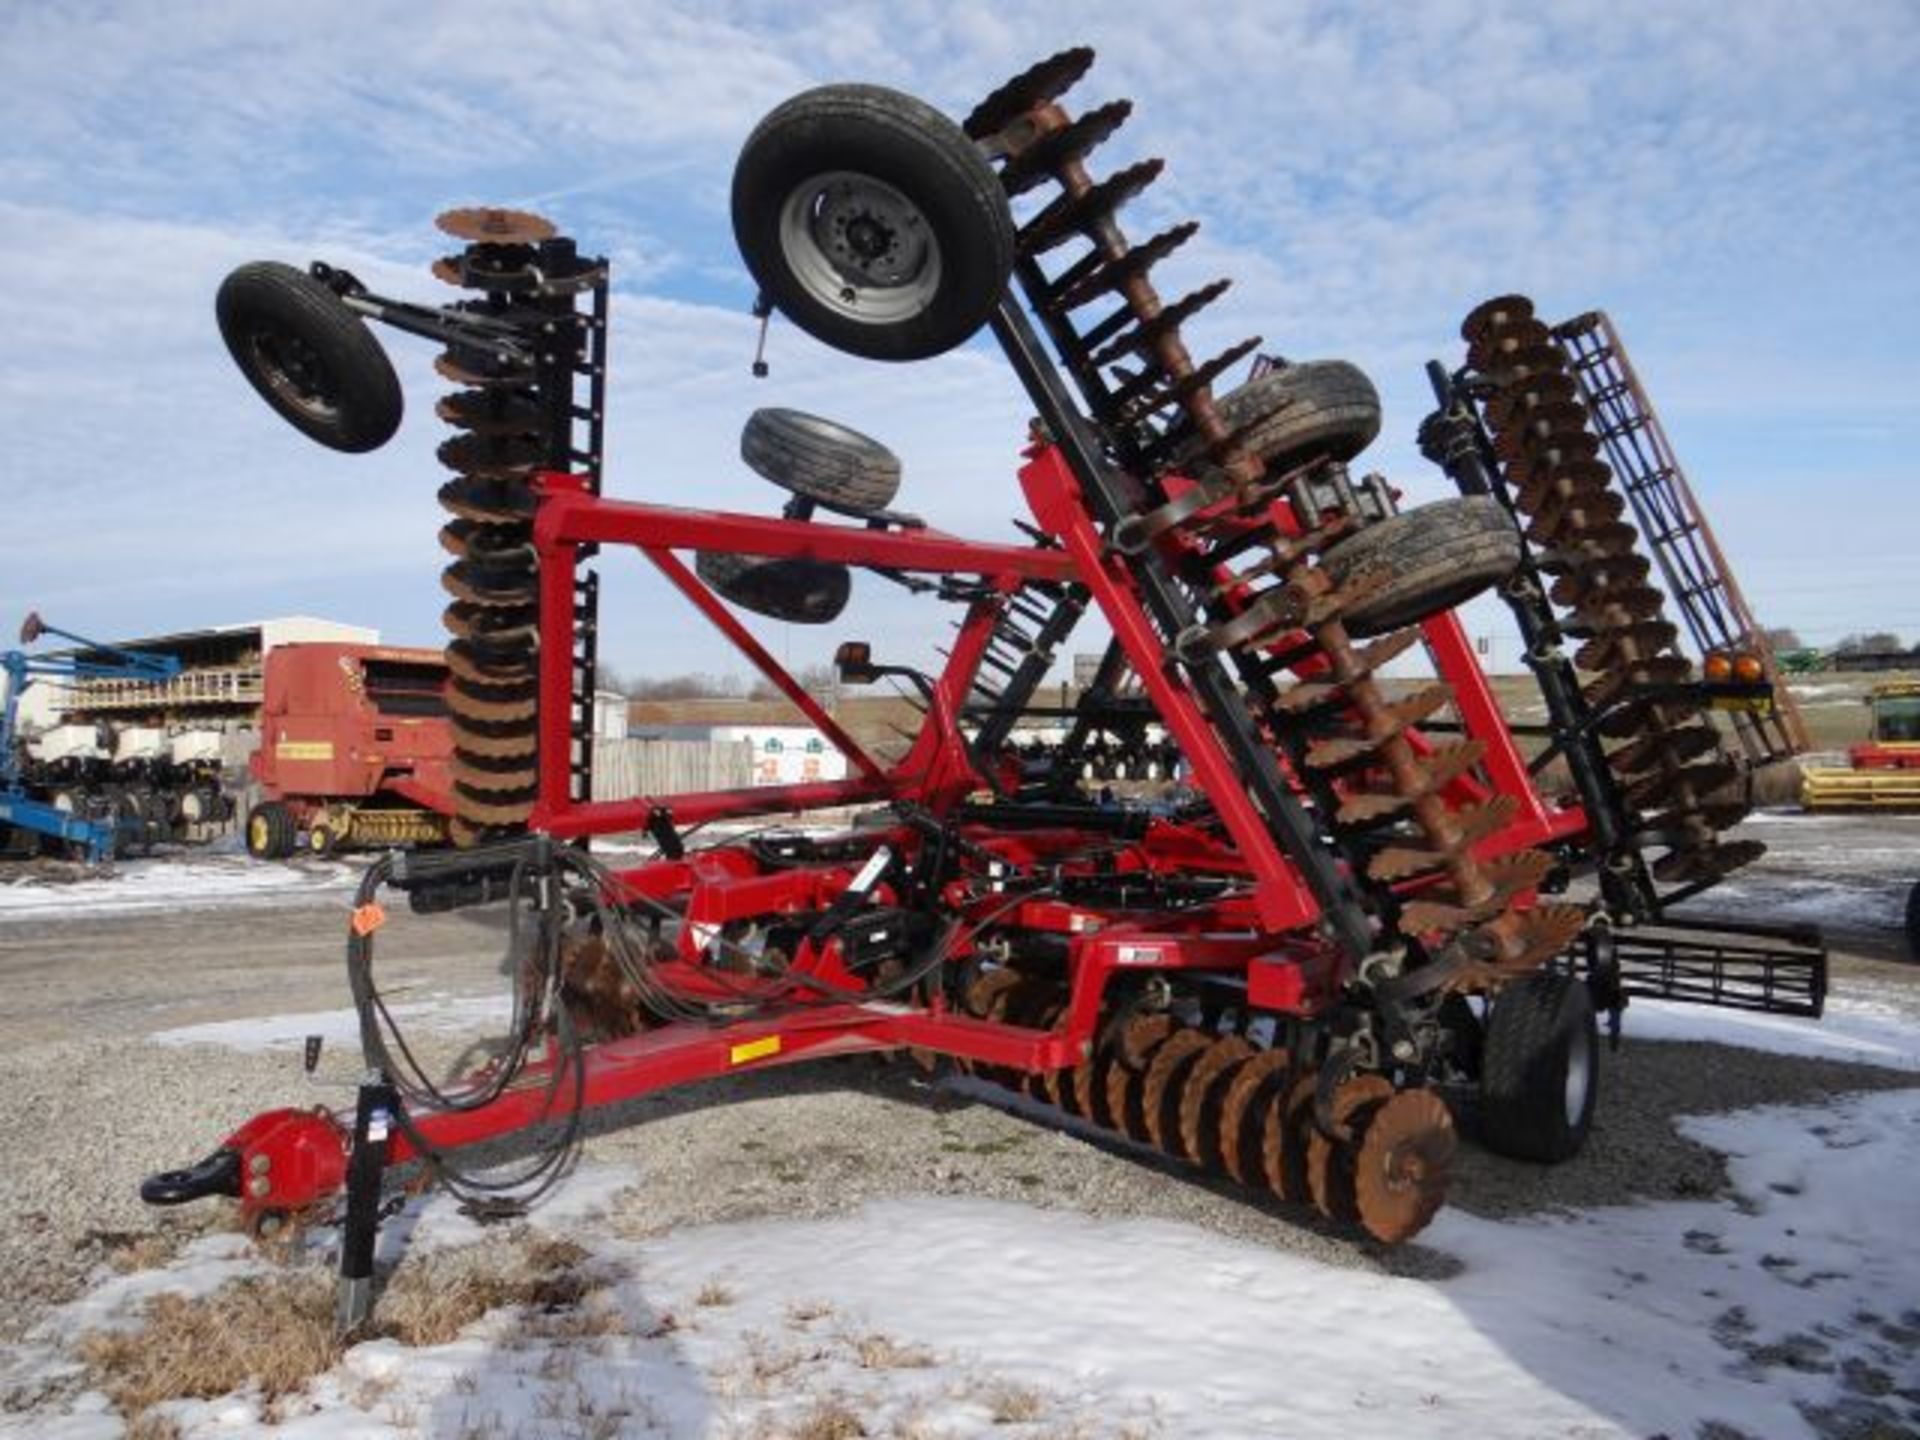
<point x="754" y="1050"/>
<point x="304" y="750"/>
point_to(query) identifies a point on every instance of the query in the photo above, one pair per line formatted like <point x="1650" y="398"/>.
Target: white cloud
<point x="1738" y="186"/>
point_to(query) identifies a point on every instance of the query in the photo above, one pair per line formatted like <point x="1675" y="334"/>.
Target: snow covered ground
<point x="1790" y="1308"/>
<point x="186" y="880"/>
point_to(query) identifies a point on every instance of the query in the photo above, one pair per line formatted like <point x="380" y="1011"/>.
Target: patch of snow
<point x="1860" y="1030"/>
<point x="204" y="881"/>
<point x="954" y="1314"/>
<point x="441" y="1012"/>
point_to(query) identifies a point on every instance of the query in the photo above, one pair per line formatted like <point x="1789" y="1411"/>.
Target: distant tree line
<point x="1869" y="642"/>
<point x="820" y="680"/>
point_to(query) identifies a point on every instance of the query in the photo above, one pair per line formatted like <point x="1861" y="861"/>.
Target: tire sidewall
<point x="277" y="299"/>
<point x="1525" y="1072"/>
<point x="791" y="148"/>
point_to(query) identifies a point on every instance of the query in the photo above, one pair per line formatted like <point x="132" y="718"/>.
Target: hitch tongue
<point x="218" y="1174"/>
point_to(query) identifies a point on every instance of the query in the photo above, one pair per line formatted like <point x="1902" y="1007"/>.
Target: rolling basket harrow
<point x="1360" y="910"/>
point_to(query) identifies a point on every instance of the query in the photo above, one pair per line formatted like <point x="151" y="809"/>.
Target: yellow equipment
<point x="1884" y="772"/>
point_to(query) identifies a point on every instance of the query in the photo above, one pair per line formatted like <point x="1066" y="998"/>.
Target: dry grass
<point x="829" y="1419"/>
<point x="883" y="1352"/>
<point x="276" y="1333"/>
<point x="148" y="1251"/>
<point x="1011" y="1404"/>
<point x="713" y="1295"/>
<point x="153" y="1427"/>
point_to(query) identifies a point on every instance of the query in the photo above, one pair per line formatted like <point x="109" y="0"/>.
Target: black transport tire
<point x="1314" y="410"/>
<point x="310" y="357"/>
<point x="1435" y="556"/>
<point x="804" y="592"/>
<point x="872" y="222"/>
<point x="1913" y="922"/>
<point x="271" y="831"/>
<point x="1540" y="1069"/>
<point x="820" y="459"/>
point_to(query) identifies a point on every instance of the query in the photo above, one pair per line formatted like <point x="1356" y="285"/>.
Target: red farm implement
<point x="1358" y="907"/>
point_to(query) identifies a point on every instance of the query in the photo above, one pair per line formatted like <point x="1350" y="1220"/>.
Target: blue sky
<point x="1739" y="186"/>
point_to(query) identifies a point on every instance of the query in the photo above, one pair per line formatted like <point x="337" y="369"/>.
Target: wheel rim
<point x="257" y="832"/>
<point x="1579" y="1081"/>
<point x="860" y="248"/>
<point x="295" y="371"/>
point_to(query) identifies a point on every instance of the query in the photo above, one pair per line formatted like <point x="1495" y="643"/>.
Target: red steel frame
<point x="1264" y="933"/>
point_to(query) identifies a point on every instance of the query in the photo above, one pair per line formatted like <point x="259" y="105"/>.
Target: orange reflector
<point x="367" y="919"/>
<point x="1718" y="667"/>
<point x="1748" y="668"/>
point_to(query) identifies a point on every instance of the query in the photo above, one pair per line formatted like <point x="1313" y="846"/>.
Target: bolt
<point x="259" y="1164"/>
<point x="260" y="1187"/>
<point x="1403" y="1050"/>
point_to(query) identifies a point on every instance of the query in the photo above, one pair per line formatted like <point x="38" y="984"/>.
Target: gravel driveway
<point x="96" y="1103"/>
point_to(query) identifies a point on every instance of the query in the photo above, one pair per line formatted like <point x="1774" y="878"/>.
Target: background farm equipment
<point x="1361" y="910"/>
<point x="1883" y="772"/>
<point x="354" y="750"/>
<point x="80" y="785"/>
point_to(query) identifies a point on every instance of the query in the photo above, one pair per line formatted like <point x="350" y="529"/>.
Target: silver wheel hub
<point x="1579" y="1079"/>
<point x="859" y="247"/>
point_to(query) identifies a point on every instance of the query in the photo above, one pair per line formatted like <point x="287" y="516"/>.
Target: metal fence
<point x="625" y="768"/>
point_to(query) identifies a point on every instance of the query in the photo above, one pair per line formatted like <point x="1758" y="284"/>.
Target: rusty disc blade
<point x="1254" y="1088"/>
<point x="459" y="585"/>
<point x="491" y="225"/>
<point x="1709" y="862"/>
<point x="476" y="777"/>
<point x="986" y="996"/>
<point x="493" y="741"/>
<point x="465" y="367"/>
<point x="478" y="622"/>
<point x="1283" y="1139"/>
<point x="492" y="712"/>
<point x="1090" y="1089"/>
<point x="1507" y="338"/>
<point x="1201" y="1098"/>
<point x="1500" y="310"/>
<point x="1036" y="163"/>
<point x="1038" y="84"/>
<point x="466" y="664"/>
<point x="485" y="810"/>
<point x="1141" y="1036"/>
<point x="488" y="412"/>
<point x="1042" y="1084"/>
<point x="1330" y="1162"/>
<point x="1676" y="746"/>
<point x="489" y="501"/>
<point x="503" y="457"/>
<point x="493" y="545"/>
<point x="1522" y="366"/>
<point x="1626" y="644"/>
<point x="1160" y="1089"/>
<point x="1124" y="1080"/>
<point x="1510" y="405"/>
<point x="1402" y="1165"/>
<point x="987" y="999"/>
